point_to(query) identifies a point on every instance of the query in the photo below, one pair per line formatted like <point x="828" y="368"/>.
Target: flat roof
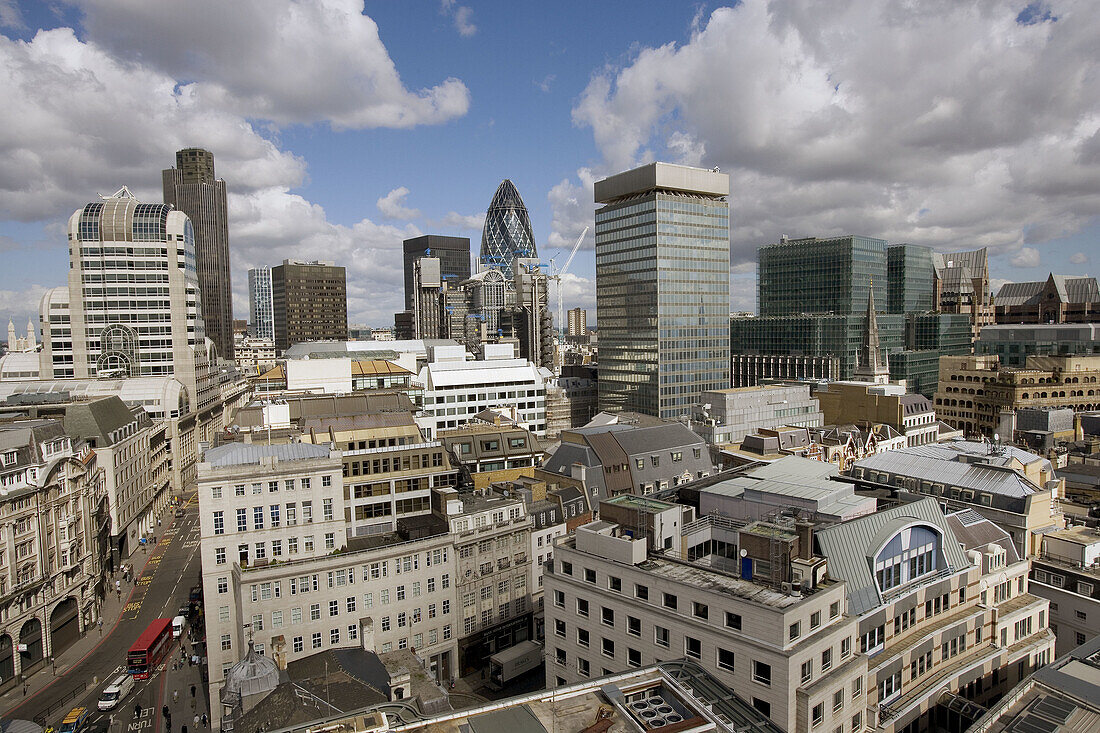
<point x="667" y="176"/>
<point x="640" y="503"/>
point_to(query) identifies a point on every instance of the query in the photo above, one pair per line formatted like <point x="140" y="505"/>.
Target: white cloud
<point x="1026" y="257"/>
<point x="547" y="80"/>
<point x="945" y="124"/>
<point x="460" y="15"/>
<point x="1079" y="258"/>
<point x="392" y="205"/>
<point x="10" y="15"/>
<point x="288" y="61"/>
<point x="571" y="211"/>
<point x="130" y="120"/>
<point x="473" y="222"/>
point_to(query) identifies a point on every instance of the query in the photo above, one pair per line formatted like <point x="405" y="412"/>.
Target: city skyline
<point x="824" y="144"/>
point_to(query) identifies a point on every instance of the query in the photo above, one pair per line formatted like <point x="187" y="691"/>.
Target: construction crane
<point x="556" y="276"/>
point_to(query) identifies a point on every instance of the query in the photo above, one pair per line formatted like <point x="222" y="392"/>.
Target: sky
<point x="343" y="127"/>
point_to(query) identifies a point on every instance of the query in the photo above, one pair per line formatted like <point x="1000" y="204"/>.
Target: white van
<point x="116" y="692"/>
<point x="177" y="626"/>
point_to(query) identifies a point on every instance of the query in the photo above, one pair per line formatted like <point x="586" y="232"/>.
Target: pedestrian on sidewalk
<point x="196" y="721"/>
<point x="137" y="710"/>
<point x="100" y="625"/>
<point x="175" y="695"/>
<point x="192" y="692"/>
<point x="205" y="720"/>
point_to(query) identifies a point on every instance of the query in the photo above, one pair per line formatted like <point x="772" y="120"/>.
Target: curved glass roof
<point x="507" y="233"/>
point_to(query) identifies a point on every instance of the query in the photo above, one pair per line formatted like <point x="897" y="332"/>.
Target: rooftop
<point x="243" y="454"/>
<point x="640" y="503"/>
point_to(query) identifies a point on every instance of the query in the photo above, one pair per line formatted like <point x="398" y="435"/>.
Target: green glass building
<point x="910" y="278"/>
<point x="662" y="288"/>
<point x="815" y="275"/>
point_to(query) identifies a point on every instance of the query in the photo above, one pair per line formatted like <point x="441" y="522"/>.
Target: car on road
<point x="180" y="512"/>
<point x="75" y="721"/>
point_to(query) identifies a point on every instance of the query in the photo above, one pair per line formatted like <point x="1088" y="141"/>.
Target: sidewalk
<point x="110" y="612"/>
<point x="179" y="680"/>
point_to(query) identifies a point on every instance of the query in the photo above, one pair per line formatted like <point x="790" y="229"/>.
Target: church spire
<point x="872" y="365"/>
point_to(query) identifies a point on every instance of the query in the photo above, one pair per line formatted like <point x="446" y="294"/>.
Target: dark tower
<point x="192" y="188"/>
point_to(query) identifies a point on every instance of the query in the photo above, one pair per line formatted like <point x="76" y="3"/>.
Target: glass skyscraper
<point x="662" y="288"/>
<point x="912" y="277"/>
<point x="819" y="275"/>
<point x="261" y="313"/>
<point x="507" y="232"/>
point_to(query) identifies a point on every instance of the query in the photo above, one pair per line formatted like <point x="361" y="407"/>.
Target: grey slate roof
<point x="975" y="531"/>
<point x="850" y="546"/>
<point x="97" y="419"/>
<point x="242" y="454"/>
<point x="1070" y="290"/>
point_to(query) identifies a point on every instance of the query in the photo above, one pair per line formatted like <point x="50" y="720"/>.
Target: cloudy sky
<point x="342" y="128"/>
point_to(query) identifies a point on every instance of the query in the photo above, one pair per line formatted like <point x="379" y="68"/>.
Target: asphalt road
<point x="163" y="586"/>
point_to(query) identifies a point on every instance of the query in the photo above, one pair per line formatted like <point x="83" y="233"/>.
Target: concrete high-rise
<point x="132" y="305"/>
<point x="261" y="311"/>
<point x="310" y="302"/>
<point x="578" y="322"/>
<point x="453" y="254"/>
<point x="662" y="288"/>
<point x="192" y="188"/>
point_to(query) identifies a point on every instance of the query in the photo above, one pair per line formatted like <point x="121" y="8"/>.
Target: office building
<point x="453" y="254"/>
<point x="528" y="319"/>
<point x="962" y="286"/>
<point x="727" y="415"/>
<point x="1058" y="299"/>
<point x="132" y="307"/>
<point x="662" y="288"/>
<point x="192" y="188"/>
<point x="53" y="509"/>
<point x="856" y="402"/>
<point x="1067" y="573"/>
<point x="650" y="581"/>
<point x="910" y="278"/>
<point x="1012" y="343"/>
<point x="309" y="302"/>
<point x="427" y="306"/>
<point x="261" y="310"/>
<point x="578" y="323"/>
<point x="815" y="275"/>
<point x="507" y="232"/>
<point x="974" y="391"/>
<point x="1013" y="488"/>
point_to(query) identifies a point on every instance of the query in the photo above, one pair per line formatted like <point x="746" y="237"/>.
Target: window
<point x="559" y="599"/>
<point x="583" y="637"/>
<point x="582" y="607"/>
<point x="315" y="612"/>
<point x="589" y="575"/>
<point x="583" y="667"/>
<point x="857" y="687"/>
<point x="660" y="636"/>
<point x="857" y="722"/>
<point x="699" y="610"/>
<point x="641" y="592"/>
<point x="242" y="520"/>
<point x="761" y="672"/>
<point x="216" y="492"/>
<point x="815" y="620"/>
<point x="1080" y="615"/>
<point x="223" y="585"/>
<point x="763" y="706"/>
<point x="633" y="626"/>
<point x="615" y="584"/>
<point x="633" y="658"/>
<point x="725" y="659"/>
<point x="834" y="609"/>
<point x="670" y="600"/>
<point x="817" y="716"/>
<point x="258" y="517"/>
<point x="299" y="645"/>
<point x="219" y="522"/>
<point x="693" y="648"/>
<point x="609" y="648"/>
<point x="227" y="642"/>
<point x="219" y="555"/>
<point x="807" y="671"/>
<point x="838" y="701"/>
<point x="733" y="620"/>
<point x="334" y="636"/>
<point x="559" y="627"/>
<point x="795" y="630"/>
<point x="316" y="639"/>
<point x="826" y="660"/>
<point x="846" y="647"/>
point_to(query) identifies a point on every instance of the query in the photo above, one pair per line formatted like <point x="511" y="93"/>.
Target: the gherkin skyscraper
<point x="507" y="233"/>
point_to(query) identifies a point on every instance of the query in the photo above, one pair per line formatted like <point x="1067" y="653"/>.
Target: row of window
<point x="276" y="513"/>
<point x="290" y="484"/>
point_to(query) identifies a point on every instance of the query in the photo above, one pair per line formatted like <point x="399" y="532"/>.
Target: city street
<point x="165" y="574"/>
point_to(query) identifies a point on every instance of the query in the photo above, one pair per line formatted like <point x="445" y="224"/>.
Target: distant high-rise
<point x="815" y="275"/>
<point x="911" y="277"/>
<point x="453" y="254"/>
<point x="962" y="286"/>
<point x="507" y="233"/>
<point x="309" y="301"/>
<point x="261" y="311"/>
<point x="192" y="188"/>
<point x="107" y="322"/>
<point x="578" y="322"/>
<point x="662" y="288"/>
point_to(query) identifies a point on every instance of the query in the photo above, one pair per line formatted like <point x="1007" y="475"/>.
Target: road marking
<point x="131" y="606"/>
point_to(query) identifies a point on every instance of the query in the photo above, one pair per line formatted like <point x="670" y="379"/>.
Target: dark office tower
<point x="310" y="302"/>
<point x="662" y="288"/>
<point x="453" y="254"/>
<point x="507" y="233"/>
<point x="814" y="275"/>
<point x="911" y="282"/>
<point x="192" y="188"/>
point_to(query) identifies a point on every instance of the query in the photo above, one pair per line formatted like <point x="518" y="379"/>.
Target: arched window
<point x="911" y="553"/>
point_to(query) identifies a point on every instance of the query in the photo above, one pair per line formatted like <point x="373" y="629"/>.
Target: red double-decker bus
<point x="149" y="649"/>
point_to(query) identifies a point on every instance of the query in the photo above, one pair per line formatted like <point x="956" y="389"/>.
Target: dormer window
<point x="907" y="556"/>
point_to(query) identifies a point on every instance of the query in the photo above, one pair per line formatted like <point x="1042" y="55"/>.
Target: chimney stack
<point x="805" y="539"/>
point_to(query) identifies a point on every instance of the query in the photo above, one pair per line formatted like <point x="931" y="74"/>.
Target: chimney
<point x="805" y="539"/>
